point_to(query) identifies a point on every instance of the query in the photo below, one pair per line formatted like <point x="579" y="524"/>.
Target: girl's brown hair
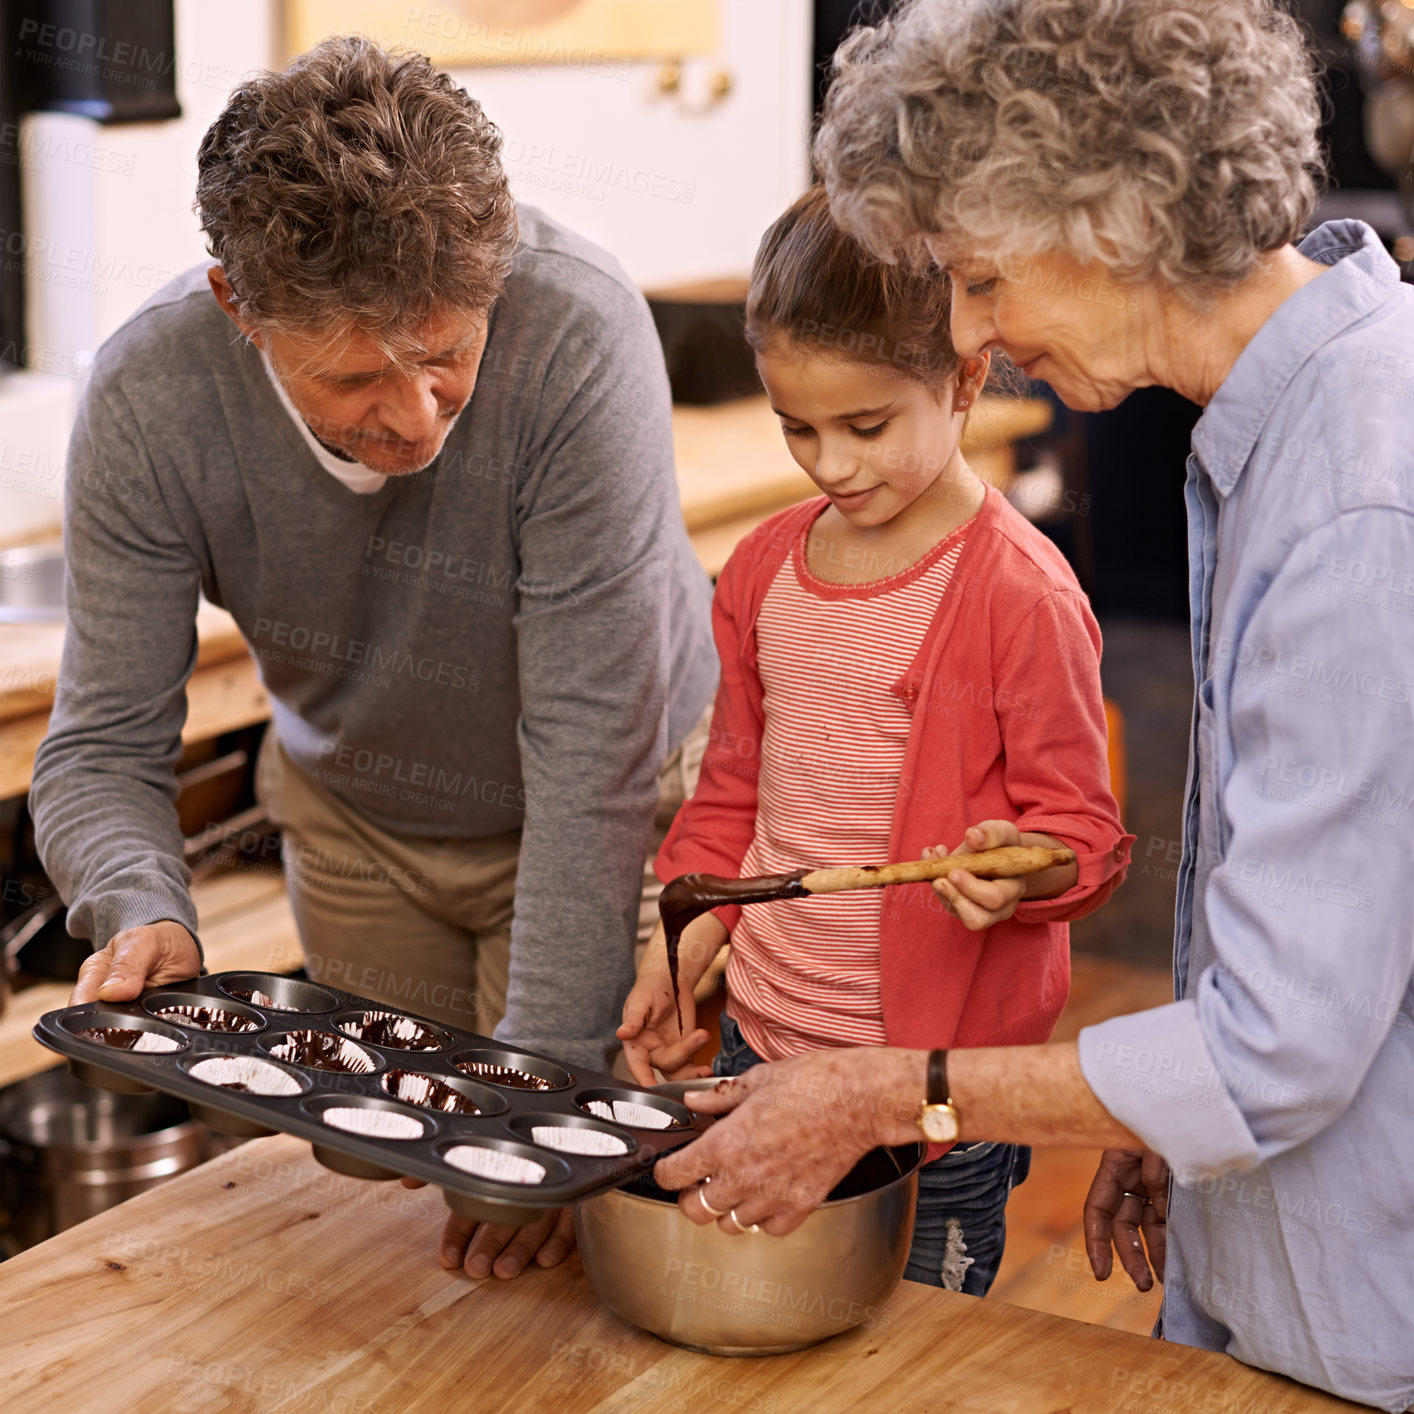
<point x="823" y="291"/>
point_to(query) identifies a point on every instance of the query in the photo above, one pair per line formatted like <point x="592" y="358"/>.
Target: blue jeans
<point x="960" y="1230"/>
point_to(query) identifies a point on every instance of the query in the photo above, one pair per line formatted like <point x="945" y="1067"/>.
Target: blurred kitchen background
<point x="671" y="132"/>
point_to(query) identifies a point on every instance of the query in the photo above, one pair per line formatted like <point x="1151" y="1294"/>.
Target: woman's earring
<point x="962" y="402"/>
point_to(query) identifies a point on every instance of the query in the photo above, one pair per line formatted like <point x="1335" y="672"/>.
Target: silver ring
<point x="740" y="1226"/>
<point x="702" y="1194"/>
<point x="1144" y="1198"/>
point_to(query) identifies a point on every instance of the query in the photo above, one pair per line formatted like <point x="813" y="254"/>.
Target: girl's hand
<point x="650" y="1030"/>
<point x="650" y="1026"/>
<point x="979" y="903"/>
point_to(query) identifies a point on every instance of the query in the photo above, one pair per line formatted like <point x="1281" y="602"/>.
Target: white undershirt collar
<point x="354" y="475"/>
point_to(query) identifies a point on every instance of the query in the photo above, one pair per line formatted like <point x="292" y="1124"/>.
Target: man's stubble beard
<point x="400" y="469"/>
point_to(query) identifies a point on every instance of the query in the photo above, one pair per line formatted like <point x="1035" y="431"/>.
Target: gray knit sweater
<point x="513" y="638"/>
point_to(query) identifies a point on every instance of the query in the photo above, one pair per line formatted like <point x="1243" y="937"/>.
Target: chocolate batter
<point x="388" y="1028"/>
<point x="320" y="1051"/>
<point x="414" y="1089"/>
<point x="256" y="997"/>
<point x="503" y="1075"/>
<point x="208" y="1018"/>
<point x="691" y="895"/>
<point x="119" y="1037"/>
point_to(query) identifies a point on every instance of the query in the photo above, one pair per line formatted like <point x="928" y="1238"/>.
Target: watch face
<point x="939" y="1123"/>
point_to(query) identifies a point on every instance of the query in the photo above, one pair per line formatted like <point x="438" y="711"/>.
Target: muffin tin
<point x="378" y="1092"/>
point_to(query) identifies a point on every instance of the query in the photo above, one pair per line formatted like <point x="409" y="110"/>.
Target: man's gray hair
<point x="1174" y="139"/>
<point x="359" y="189"/>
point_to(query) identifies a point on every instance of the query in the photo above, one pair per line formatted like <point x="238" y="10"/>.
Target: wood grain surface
<point x="262" y="1282"/>
<point x="220" y="698"/>
<point x="30" y="654"/>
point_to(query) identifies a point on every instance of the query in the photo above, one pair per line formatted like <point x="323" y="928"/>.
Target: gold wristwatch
<point x="937" y="1115"/>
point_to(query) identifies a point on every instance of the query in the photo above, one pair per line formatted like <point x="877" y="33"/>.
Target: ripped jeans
<point x="960" y="1229"/>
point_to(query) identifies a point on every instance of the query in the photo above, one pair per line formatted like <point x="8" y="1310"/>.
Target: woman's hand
<point x="650" y="1026"/>
<point x="1114" y="1216"/>
<point x="791" y="1131"/>
<point x="979" y="903"/>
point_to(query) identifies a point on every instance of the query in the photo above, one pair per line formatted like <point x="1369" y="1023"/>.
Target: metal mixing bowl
<point x="756" y="1294"/>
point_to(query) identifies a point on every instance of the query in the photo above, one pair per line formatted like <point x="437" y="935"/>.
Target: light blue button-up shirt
<point x="1280" y="1086"/>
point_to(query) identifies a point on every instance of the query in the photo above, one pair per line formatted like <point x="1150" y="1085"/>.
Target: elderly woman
<point x="1117" y="193"/>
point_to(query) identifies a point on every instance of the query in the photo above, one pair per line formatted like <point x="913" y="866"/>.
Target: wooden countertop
<point x="31" y="652"/>
<point x="263" y="1282"/>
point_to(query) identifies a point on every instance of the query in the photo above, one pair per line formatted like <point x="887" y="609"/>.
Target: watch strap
<point x="937" y="1091"/>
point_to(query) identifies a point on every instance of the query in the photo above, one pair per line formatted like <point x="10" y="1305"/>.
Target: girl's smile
<point x="875" y="440"/>
<point x="853" y="500"/>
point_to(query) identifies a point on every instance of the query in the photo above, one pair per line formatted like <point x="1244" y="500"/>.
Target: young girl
<point x="907" y="665"/>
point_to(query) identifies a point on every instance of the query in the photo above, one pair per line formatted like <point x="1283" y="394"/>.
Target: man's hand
<point x="791" y="1131"/>
<point x="979" y="903"/>
<point x="152" y="955"/>
<point x="1114" y="1217"/>
<point x="500" y="1248"/>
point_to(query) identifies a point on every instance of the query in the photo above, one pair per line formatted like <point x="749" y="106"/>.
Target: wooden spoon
<point x="690" y="895"/>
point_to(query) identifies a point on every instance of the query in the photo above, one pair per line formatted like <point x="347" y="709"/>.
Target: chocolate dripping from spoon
<point x="691" y="895"/>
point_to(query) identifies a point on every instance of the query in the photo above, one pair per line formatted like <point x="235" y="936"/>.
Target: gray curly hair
<point x="360" y="188"/>
<point x="1168" y="139"/>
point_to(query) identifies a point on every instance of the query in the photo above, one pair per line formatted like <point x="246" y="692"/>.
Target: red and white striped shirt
<point x="804" y="974"/>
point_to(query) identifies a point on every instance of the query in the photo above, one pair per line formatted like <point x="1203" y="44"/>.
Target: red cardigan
<point x="1008" y="724"/>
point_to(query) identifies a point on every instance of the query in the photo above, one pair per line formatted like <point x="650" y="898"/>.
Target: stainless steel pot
<point x="71" y="1151"/>
<point x="756" y="1294"/>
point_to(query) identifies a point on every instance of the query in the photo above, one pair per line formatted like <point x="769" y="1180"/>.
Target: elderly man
<point x="418" y="443"/>
<point x="1119" y="195"/>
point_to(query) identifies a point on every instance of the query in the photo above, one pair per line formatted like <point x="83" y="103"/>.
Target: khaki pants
<point x="415" y="921"/>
